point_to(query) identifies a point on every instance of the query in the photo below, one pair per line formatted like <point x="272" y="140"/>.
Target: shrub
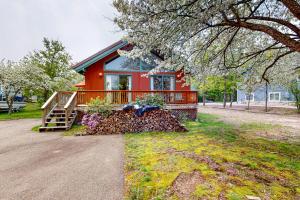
<point x="151" y="99"/>
<point x="100" y="106"/>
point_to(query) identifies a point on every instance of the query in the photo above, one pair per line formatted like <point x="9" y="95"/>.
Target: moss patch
<point x="231" y="163"/>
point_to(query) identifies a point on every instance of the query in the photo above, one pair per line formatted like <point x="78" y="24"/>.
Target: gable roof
<point x="81" y="66"/>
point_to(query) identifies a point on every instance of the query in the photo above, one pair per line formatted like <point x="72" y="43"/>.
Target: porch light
<point x="100" y="74"/>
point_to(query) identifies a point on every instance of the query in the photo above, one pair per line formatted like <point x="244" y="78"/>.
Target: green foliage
<point x="75" y="129"/>
<point x="294" y="88"/>
<point x="31" y="110"/>
<point x="101" y="106"/>
<point x="154" y="160"/>
<point x="151" y="99"/>
<point x="213" y="87"/>
<point x="55" y="63"/>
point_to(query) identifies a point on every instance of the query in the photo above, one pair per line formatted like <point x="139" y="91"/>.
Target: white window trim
<point x="250" y="99"/>
<point x="274" y="93"/>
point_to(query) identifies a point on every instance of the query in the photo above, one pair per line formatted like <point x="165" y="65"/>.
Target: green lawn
<point x="212" y="161"/>
<point x="31" y="110"/>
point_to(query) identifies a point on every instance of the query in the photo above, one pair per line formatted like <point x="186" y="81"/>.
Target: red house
<point x="107" y="74"/>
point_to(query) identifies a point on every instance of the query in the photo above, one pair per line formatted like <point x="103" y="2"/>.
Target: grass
<point x="31" y="110"/>
<point x="74" y="129"/>
<point x="231" y="162"/>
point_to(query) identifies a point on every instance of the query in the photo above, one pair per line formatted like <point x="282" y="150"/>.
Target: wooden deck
<point x="59" y="111"/>
<point x="120" y="97"/>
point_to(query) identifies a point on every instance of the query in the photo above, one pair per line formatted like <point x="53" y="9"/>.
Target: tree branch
<point x="276" y="35"/>
<point x="293" y="7"/>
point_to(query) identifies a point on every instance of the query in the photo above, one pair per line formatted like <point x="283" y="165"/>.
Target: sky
<point x="83" y="26"/>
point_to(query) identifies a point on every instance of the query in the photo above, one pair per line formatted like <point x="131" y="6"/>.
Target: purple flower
<point x="91" y="121"/>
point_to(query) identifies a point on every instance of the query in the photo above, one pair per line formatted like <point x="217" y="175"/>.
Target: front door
<point x="118" y="82"/>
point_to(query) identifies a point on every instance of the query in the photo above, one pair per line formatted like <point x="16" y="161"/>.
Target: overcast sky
<point x="83" y="26"/>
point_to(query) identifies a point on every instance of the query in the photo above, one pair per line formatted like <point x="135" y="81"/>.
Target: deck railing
<point x="128" y="96"/>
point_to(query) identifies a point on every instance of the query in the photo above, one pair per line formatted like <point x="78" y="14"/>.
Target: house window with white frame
<point x="274" y="96"/>
<point x="249" y="97"/>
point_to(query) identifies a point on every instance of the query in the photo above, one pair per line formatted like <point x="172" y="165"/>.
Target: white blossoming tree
<point x="235" y="33"/>
<point x="15" y="77"/>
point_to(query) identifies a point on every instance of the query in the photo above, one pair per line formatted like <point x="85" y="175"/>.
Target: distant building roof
<point x="81" y="84"/>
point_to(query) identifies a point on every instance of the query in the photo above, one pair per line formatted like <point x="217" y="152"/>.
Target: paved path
<point x="290" y="122"/>
<point x="49" y="166"/>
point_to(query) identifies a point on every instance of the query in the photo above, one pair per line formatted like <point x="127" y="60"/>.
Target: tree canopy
<point x="218" y="34"/>
<point x="55" y="62"/>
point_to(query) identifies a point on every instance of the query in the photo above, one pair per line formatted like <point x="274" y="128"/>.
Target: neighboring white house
<point x="276" y="94"/>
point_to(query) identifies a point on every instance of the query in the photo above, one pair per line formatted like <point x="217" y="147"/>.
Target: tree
<point x="15" y="77"/>
<point x="54" y="61"/>
<point x="237" y="31"/>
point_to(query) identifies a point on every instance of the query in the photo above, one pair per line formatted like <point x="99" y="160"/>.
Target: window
<point x="118" y="82"/>
<point x="121" y="63"/>
<point x="162" y="82"/>
<point x="274" y="96"/>
<point x="249" y="97"/>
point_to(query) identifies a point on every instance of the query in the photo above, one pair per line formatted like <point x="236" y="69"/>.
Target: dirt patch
<point x="185" y="184"/>
<point x="230" y="169"/>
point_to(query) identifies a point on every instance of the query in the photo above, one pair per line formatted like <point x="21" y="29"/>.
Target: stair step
<point x="60" y="117"/>
<point x="53" y="128"/>
<point x="55" y="122"/>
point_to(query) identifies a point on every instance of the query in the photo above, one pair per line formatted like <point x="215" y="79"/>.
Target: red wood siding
<point x="94" y="81"/>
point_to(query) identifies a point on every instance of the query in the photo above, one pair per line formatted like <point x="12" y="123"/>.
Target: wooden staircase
<point x="59" y="112"/>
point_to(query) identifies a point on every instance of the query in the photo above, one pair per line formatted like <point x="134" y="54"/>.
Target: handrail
<point x="49" y="100"/>
<point x="148" y="91"/>
<point x="119" y="97"/>
<point x="70" y="100"/>
<point x="69" y="107"/>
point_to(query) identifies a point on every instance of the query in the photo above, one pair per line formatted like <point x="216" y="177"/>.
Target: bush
<point x="100" y="106"/>
<point x="151" y="100"/>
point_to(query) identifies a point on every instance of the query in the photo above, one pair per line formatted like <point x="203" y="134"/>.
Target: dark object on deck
<point x="128" y="107"/>
<point x="140" y="111"/>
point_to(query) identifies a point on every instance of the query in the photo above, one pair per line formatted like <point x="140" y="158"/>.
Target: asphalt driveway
<point x="50" y="166"/>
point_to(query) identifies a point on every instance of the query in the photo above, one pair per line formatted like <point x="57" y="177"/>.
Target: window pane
<point x="277" y="96"/>
<point x="114" y="82"/>
<point x="166" y="83"/>
<point x="146" y="66"/>
<point x="122" y="63"/>
<point x="157" y="82"/>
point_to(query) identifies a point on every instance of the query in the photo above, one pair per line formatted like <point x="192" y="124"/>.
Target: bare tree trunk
<point x="225" y="91"/>
<point x="45" y="95"/>
<point x="204" y="99"/>
<point x="266" y="98"/>
<point x="231" y="98"/>
<point x="10" y="101"/>
<point x="248" y="106"/>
